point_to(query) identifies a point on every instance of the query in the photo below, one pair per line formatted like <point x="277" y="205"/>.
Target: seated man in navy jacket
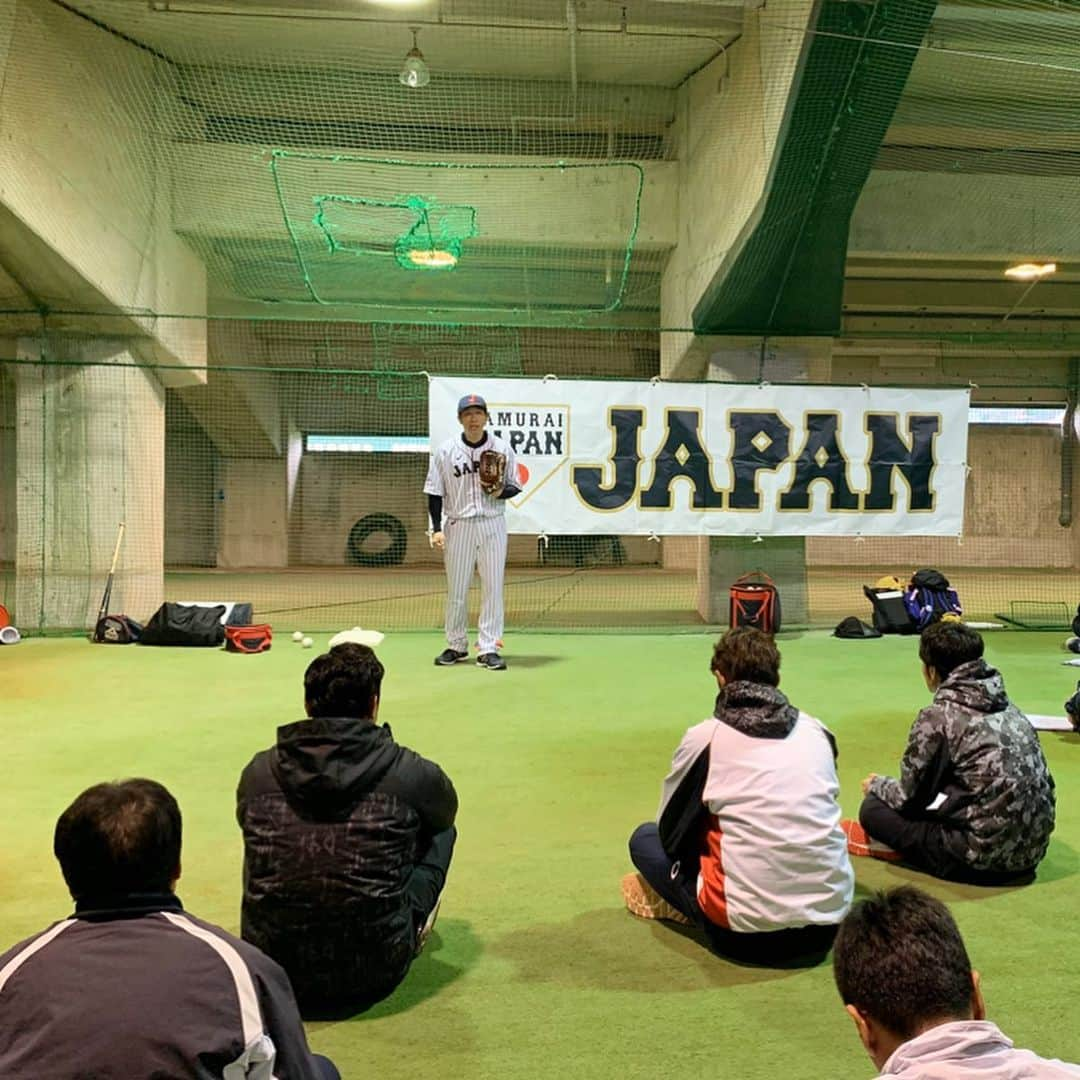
<point x="347" y="842"/>
<point x="131" y="985"/>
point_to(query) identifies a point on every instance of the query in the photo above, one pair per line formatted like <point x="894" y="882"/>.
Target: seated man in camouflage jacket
<point x="975" y="799"/>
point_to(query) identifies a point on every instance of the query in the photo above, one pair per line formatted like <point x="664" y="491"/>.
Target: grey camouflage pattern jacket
<point x="973" y="761"/>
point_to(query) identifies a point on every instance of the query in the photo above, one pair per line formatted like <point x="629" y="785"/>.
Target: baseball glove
<point x="492" y="472"/>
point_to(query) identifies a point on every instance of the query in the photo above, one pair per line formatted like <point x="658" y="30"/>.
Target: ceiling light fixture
<point x="414" y="69"/>
<point x="433" y="258"/>
<point x="1030" y="271"/>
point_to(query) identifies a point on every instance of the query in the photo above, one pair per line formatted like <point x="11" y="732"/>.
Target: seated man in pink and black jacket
<point x="906" y="981"/>
<point x="747" y="843"/>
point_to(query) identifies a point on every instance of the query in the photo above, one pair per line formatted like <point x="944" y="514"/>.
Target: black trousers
<point x="929" y="844"/>
<point x="422" y="892"/>
<point x="425" y="884"/>
<point x="327" y="1069"/>
<point x="799" y="946"/>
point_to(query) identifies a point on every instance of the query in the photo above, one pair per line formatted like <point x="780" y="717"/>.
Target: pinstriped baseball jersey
<point x="454" y="473"/>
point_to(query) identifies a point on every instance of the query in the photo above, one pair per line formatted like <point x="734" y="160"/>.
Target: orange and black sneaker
<point x="860" y="842"/>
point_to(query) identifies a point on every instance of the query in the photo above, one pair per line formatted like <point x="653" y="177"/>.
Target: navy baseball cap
<point x="471" y="401"/>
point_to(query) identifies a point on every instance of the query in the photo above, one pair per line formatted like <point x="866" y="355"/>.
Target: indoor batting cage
<point x="240" y="240"/>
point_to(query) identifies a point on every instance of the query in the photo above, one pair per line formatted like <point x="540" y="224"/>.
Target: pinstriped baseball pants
<point x="475" y="543"/>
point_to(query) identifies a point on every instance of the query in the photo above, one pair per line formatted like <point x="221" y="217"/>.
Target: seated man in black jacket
<point x="131" y="985"/>
<point x="347" y="842"/>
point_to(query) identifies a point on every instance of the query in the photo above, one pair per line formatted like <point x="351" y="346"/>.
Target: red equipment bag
<point x="248" y="639"/>
<point x="755" y="602"/>
<point x="5" y="618"/>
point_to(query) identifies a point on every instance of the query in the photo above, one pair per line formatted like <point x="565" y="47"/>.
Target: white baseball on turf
<point x="297" y="636"/>
<point x="306" y="643"/>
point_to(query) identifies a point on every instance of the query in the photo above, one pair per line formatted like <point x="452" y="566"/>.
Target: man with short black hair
<point x="131" y="985"/>
<point x="975" y="799"/>
<point x="347" y="842"/>
<point x="907" y="983"/>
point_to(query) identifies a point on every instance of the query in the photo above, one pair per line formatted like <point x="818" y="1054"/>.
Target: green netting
<point x="225" y="495"/>
<point x="1038" y="614"/>
<point x="398" y="348"/>
<point x="776" y="168"/>
<point x="493" y="256"/>
<point x="228" y="228"/>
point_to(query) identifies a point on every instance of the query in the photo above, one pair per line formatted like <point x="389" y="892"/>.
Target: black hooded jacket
<point x="335" y="817"/>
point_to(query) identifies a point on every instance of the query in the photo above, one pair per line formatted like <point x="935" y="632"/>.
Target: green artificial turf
<point x="535" y="970"/>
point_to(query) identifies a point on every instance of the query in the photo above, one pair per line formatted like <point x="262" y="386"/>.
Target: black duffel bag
<point x="181" y="624"/>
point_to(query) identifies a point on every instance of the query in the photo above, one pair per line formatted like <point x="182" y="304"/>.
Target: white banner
<point x="669" y="459"/>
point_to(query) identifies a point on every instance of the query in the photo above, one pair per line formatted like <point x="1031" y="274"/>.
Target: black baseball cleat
<point x="492" y="661"/>
<point x="449" y="657"/>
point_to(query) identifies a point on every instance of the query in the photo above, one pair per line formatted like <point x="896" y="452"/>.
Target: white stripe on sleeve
<point x="39" y="942"/>
<point x="250" y="1013"/>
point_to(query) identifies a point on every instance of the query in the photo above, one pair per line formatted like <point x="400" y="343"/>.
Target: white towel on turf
<point x="358" y="636"/>
<point x="1050" y="723"/>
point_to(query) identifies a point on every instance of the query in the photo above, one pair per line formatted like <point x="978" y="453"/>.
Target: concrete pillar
<point x="294" y="456"/>
<point x="89" y="454"/>
<point x="190" y="487"/>
<point x="253" y="516"/>
<point x="7" y="476"/>
<point x="86" y="182"/>
<point x="721" y="559"/>
<point x="728" y="123"/>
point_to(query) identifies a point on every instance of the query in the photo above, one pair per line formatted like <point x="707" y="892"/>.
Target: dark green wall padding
<point x="785" y="272"/>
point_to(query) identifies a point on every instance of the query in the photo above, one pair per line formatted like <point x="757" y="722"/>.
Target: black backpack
<point x="181" y="624"/>
<point x="891" y="615"/>
<point x="854" y="629"/>
<point x="755" y="603"/>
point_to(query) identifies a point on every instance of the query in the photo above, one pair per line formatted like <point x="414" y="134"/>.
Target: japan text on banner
<point x="720" y="459"/>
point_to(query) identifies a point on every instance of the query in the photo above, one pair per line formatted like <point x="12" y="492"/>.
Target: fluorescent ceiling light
<point x="1030" y="271"/>
<point x="1047" y="415"/>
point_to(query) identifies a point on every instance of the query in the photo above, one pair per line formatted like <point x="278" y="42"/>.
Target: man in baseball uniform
<point x="468" y="522"/>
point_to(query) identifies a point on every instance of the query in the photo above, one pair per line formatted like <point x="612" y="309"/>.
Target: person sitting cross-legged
<point x="975" y="799"/>
<point x="747" y="844"/>
<point x="906" y="982"/>
<point x="348" y="838"/>
<point x="132" y="985"/>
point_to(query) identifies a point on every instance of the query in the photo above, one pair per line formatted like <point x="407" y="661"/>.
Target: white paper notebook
<point x="1049" y="723"/>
